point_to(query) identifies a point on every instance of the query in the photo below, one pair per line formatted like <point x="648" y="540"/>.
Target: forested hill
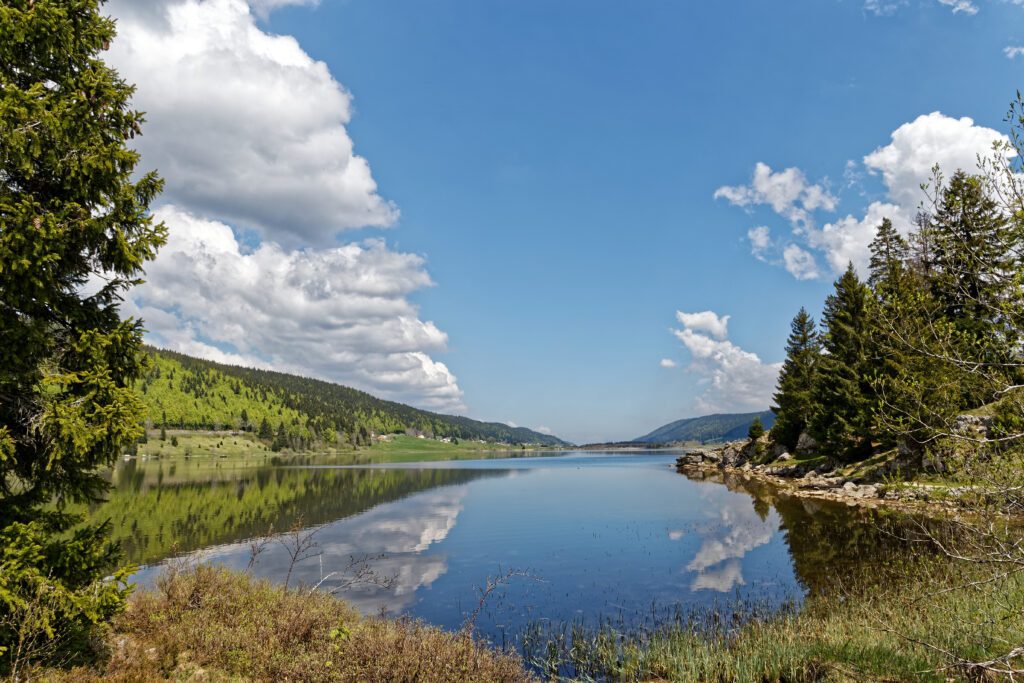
<point x="708" y="429"/>
<point x="182" y="392"/>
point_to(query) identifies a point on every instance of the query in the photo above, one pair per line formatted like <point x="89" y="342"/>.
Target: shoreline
<point x="802" y="480"/>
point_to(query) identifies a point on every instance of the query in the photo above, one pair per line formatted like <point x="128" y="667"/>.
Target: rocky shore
<point x="874" y="483"/>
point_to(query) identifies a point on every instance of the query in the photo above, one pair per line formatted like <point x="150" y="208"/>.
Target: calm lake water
<point x="619" y="536"/>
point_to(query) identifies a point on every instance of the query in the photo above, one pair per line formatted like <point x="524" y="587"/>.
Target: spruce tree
<point x="70" y="210"/>
<point x="280" y="438"/>
<point x="843" y="394"/>
<point x="974" y="260"/>
<point x="794" y="402"/>
<point x="976" y="279"/>
<point x="889" y="254"/>
<point x="756" y="430"/>
<point x="895" y="327"/>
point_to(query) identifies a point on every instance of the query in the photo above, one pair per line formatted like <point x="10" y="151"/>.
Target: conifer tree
<point x="70" y="209"/>
<point x="908" y="382"/>
<point x="889" y="254"/>
<point x="794" y="400"/>
<point x="974" y="258"/>
<point x="756" y="430"/>
<point x="280" y="438"/>
<point x="976" y="280"/>
<point x="843" y="394"/>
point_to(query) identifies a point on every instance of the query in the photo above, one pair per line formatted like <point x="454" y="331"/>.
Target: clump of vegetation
<point x="756" y="430"/>
<point x="73" y="211"/>
<point x="217" y="624"/>
<point x="932" y="334"/>
<point x="898" y="631"/>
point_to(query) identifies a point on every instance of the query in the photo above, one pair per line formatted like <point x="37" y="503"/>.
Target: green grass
<point x="242" y="445"/>
<point x="201" y="444"/>
<point x="882" y="633"/>
<point x="403" y="448"/>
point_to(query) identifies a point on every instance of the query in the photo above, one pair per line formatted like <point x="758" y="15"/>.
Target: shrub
<point x="756" y="430"/>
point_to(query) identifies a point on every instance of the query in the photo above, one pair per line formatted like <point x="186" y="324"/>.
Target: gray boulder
<point x="697" y="457"/>
<point x="733" y="454"/>
<point x="806" y="444"/>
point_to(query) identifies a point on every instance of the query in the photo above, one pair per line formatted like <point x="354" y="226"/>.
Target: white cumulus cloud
<point x="787" y="192"/>
<point x="903" y="165"/>
<point x="667" y="363"/>
<point x="848" y="239"/>
<point x="338" y="314"/>
<point x="250" y="135"/>
<point x="244" y="126"/>
<point x="733" y="379"/>
<point x="800" y="263"/>
<point x="760" y="240"/>
<point x="930" y="139"/>
<point x="705" y="321"/>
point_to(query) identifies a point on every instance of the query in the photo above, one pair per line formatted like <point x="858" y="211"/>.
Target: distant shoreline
<point x="640" y="446"/>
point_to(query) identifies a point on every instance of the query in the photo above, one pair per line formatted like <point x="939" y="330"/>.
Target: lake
<point x="588" y="536"/>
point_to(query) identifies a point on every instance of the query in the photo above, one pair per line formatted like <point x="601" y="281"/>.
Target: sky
<point x="586" y="217"/>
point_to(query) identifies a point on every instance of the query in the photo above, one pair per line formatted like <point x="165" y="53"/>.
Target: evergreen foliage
<point x="794" y="400"/>
<point x="69" y="210"/>
<point x="934" y="334"/>
<point x="973" y="258"/>
<point x="843" y="393"/>
<point x="295" y="412"/>
<point x="889" y="253"/>
<point x="756" y="430"/>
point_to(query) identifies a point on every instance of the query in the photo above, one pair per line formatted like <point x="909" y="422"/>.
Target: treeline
<point x="932" y="334"/>
<point x="294" y="412"/>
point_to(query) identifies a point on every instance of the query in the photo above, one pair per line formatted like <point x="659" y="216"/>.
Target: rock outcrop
<point x="867" y="483"/>
<point x="805" y="444"/>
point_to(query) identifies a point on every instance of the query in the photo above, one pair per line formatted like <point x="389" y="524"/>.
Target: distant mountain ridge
<point x="184" y="392"/>
<point x="708" y="428"/>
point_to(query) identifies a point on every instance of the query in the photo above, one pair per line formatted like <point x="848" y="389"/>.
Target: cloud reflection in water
<point x="736" y="531"/>
<point x="401" y="533"/>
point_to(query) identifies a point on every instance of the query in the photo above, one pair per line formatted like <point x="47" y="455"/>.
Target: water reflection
<point x="832" y="544"/>
<point x="722" y="578"/>
<point x="397" y="541"/>
<point x="163" y="508"/>
<point x="602" y="534"/>
<point x="737" y="529"/>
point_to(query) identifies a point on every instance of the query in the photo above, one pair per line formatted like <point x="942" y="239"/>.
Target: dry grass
<point x="211" y="624"/>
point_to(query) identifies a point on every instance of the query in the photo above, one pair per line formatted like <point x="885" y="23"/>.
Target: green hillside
<point x="708" y="428"/>
<point x="181" y="392"/>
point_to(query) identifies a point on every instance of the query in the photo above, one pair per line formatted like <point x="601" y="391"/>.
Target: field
<point x="399" y="448"/>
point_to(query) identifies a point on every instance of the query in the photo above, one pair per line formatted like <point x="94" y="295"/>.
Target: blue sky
<point x="551" y="166"/>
